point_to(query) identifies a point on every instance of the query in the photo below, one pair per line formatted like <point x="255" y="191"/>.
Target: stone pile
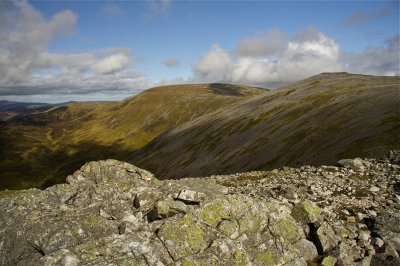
<point x="113" y="213"/>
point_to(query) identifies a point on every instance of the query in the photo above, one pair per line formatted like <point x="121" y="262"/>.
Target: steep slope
<point x="314" y="121"/>
<point x="41" y="149"/>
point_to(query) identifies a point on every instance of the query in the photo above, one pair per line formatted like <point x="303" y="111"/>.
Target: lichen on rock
<point x="184" y="237"/>
<point x="113" y="213"/>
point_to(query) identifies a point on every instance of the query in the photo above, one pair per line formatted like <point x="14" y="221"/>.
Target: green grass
<point x="39" y="150"/>
<point x="318" y="120"/>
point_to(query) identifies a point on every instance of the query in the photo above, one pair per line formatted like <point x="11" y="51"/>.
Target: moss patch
<point x="266" y="258"/>
<point x="212" y="213"/>
<point x="183" y="237"/>
<point x="287" y="228"/>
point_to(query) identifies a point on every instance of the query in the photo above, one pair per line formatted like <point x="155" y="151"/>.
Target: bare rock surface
<point x="113" y="213"/>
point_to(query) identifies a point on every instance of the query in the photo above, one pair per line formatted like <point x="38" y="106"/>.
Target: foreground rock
<point x="113" y="213"/>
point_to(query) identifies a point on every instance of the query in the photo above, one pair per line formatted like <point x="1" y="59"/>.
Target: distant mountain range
<point x="202" y="129"/>
<point x="9" y="109"/>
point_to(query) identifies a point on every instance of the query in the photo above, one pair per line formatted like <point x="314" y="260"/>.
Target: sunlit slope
<point x="315" y="121"/>
<point x="137" y="120"/>
<point x="41" y="149"/>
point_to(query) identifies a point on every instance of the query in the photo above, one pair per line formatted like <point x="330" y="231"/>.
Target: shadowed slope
<point x="314" y="121"/>
<point x="41" y="149"/>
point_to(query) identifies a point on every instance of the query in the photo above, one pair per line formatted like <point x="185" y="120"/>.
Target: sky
<point x="57" y="51"/>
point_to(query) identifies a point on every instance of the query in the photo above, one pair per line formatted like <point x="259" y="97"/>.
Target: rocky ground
<point x="113" y="213"/>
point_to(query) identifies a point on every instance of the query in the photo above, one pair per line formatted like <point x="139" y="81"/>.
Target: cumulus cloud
<point x="112" y="64"/>
<point x="28" y="68"/>
<point x="24" y="36"/>
<point x="375" y="60"/>
<point x="309" y="52"/>
<point x="171" y="62"/>
<point x="215" y="65"/>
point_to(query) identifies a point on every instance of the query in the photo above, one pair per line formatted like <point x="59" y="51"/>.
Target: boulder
<point x="306" y="212"/>
<point x="113" y="213"/>
<point x="326" y="238"/>
<point x="356" y="164"/>
<point x="169" y="207"/>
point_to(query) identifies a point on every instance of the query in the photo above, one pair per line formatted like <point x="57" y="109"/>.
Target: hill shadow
<point x="225" y="89"/>
<point x="46" y="167"/>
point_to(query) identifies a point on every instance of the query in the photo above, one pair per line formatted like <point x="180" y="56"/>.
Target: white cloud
<point x="171" y="62"/>
<point x="28" y="68"/>
<point x="67" y="84"/>
<point x="173" y="81"/>
<point x="24" y="36"/>
<point x="215" y="65"/>
<point x="80" y="61"/>
<point x="375" y="60"/>
<point x="112" y="63"/>
<point x="308" y="53"/>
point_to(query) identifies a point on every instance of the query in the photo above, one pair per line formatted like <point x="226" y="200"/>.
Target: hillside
<point x="9" y="109"/>
<point x="114" y="213"/>
<point x="314" y="121"/>
<point x="40" y="149"/>
<point x="203" y="129"/>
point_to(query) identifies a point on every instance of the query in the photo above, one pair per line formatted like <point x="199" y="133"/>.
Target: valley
<point x="203" y="129"/>
<point x="38" y="150"/>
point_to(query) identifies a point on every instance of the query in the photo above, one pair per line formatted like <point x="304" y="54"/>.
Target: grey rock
<point x="327" y="238"/>
<point x="384" y="259"/>
<point x="62" y="257"/>
<point x="378" y="242"/>
<point x="306" y="212"/>
<point x="113" y="213"/>
<point x="391" y="250"/>
<point x="190" y="195"/>
<point x="290" y="194"/>
<point x="306" y="249"/>
<point x="356" y="164"/>
<point x="169" y="207"/>
<point x="347" y="254"/>
<point x="374" y="189"/>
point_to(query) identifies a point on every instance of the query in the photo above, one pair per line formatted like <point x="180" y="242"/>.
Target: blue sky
<point x="73" y="50"/>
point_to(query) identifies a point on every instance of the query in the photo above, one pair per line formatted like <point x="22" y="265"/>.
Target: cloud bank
<point x="375" y="60"/>
<point x="28" y="68"/>
<point x="271" y="59"/>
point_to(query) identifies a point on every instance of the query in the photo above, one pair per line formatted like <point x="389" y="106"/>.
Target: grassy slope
<point x="314" y="121"/>
<point x="41" y="149"/>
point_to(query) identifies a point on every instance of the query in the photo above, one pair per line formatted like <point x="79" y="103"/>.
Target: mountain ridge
<point x="204" y="129"/>
<point x="49" y="145"/>
<point x="323" y="107"/>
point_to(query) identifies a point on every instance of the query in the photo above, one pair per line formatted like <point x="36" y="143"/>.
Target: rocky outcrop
<point x="113" y="213"/>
